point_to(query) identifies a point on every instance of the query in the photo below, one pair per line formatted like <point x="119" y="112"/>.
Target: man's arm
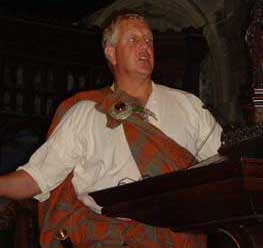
<point x="18" y="185"/>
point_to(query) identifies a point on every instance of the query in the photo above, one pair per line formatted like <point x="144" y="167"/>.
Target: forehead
<point x="133" y="25"/>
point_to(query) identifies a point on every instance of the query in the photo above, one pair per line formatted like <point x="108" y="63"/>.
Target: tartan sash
<point x="155" y="154"/>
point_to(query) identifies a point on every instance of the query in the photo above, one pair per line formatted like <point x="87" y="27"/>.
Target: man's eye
<point x="148" y="40"/>
<point x="132" y="39"/>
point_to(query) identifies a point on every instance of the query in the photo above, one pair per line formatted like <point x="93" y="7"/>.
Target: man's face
<point x="133" y="52"/>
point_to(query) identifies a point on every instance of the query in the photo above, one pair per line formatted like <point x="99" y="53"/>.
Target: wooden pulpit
<point x="223" y="193"/>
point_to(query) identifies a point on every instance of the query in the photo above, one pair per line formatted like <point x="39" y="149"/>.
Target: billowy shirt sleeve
<point x="56" y="158"/>
<point x="208" y="132"/>
<point x="181" y="116"/>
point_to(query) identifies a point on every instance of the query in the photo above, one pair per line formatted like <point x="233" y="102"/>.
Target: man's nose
<point x="143" y="43"/>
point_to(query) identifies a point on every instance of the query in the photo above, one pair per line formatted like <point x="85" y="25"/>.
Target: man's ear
<point x="109" y="52"/>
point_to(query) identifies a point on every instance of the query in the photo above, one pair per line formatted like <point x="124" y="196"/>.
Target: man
<point x="95" y="140"/>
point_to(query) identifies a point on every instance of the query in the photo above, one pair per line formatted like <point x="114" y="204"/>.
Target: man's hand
<point x="18" y="185"/>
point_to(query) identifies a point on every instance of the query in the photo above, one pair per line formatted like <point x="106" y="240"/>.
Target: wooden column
<point x="254" y="39"/>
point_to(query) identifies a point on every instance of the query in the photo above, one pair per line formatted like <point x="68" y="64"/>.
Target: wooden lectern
<point x="223" y="193"/>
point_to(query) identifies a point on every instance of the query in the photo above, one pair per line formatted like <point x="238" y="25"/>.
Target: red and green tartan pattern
<point x="68" y="103"/>
<point x="91" y="230"/>
<point x="154" y="153"/>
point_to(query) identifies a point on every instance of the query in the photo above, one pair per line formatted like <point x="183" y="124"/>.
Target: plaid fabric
<point x="155" y="154"/>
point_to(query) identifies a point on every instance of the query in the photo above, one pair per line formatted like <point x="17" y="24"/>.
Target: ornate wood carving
<point x="254" y="39"/>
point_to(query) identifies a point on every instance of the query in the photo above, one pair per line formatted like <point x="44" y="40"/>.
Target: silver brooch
<point x="120" y="111"/>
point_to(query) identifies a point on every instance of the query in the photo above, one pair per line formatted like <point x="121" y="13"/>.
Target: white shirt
<point x="100" y="157"/>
